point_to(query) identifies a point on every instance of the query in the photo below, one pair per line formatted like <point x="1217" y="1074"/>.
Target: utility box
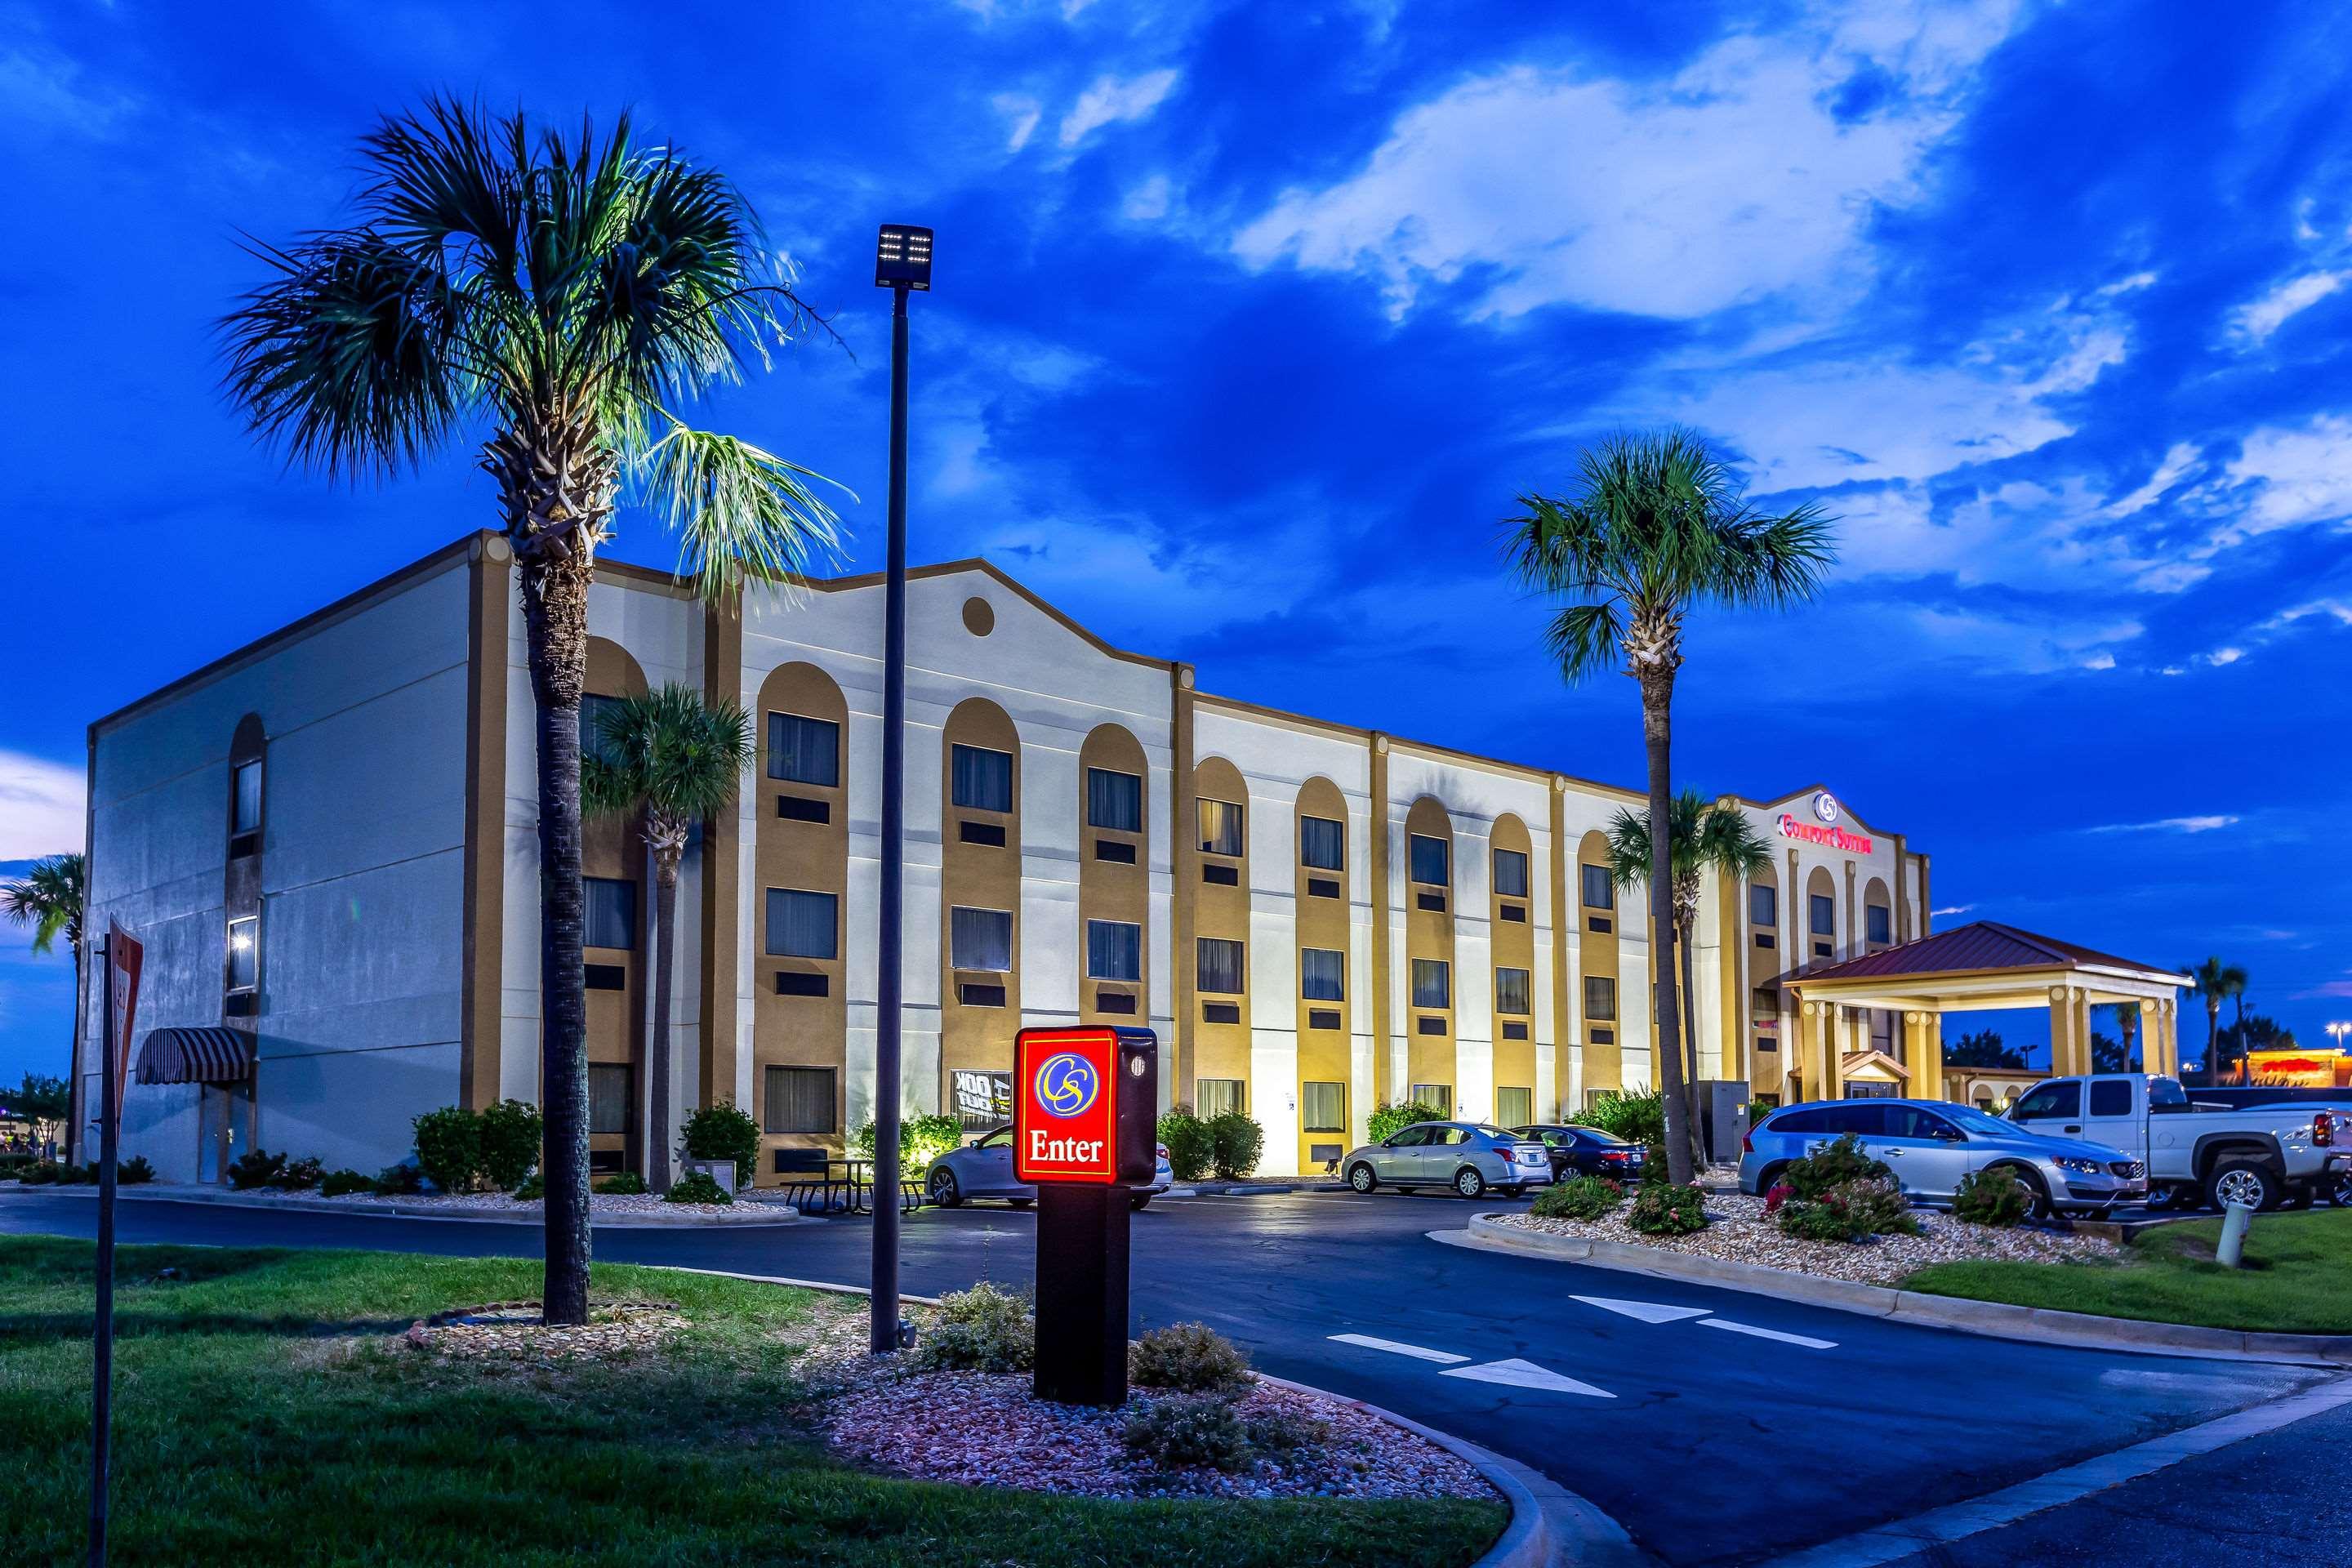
<point x="1723" y="1118"/>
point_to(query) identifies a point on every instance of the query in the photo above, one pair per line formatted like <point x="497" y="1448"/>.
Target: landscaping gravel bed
<point x="1738" y="1232"/>
<point x="514" y="1331"/>
<point x="601" y="1205"/>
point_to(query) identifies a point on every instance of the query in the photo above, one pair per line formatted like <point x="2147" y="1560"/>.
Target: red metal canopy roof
<point x="1971" y="949"/>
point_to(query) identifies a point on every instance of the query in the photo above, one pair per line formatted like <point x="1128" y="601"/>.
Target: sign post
<point x="121" y="1005"/>
<point x="1085" y="1107"/>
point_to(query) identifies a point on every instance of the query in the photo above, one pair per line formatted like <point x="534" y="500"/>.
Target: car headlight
<point x="2081" y="1167"/>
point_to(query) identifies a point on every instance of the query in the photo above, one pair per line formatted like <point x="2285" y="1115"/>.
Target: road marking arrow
<point x="1811" y="1344"/>
<point x="1444" y="1358"/>
<point x="1647" y="1311"/>
<point x="1526" y="1374"/>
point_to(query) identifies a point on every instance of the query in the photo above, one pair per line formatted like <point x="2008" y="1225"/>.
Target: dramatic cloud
<point x="1115" y="98"/>
<point x="41" y="810"/>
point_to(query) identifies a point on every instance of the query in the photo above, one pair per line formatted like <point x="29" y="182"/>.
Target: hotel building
<point x="326" y="842"/>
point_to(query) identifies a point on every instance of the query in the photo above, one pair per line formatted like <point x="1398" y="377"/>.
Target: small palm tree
<point x="675" y="760"/>
<point x="50" y="897"/>
<point x="1655" y="528"/>
<point x="557" y="298"/>
<point x="1704" y="838"/>
<point x="2216" y="981"/>
<point x="2126" y="1024"/>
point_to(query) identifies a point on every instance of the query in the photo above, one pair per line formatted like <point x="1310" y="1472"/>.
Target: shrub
<point x="1661" y="1208"/>
<point x="298" y="1175"/>
<point x="921" y="1139"/>
<point x="1851" y="1211"/>
<point x="1388" y="1119"/>
<point x="1832" y="1165"/>
<point x="72" y="1175"/>
<point x="449" y="1147"/>
<point x="721" y="1131"/>
<point x="134" y="1172"/>
<point x="628" y="1183"/>
<point x="1191" y="1144"/>
<point x="1780" y="1193"/>
<point x="1993" y="1196"/>
<point x="697" y="1187"/>
<point x="532" y="1189"/>
<point x="11" y="1163"/>
<point x="400" y="1181"/>
<point x="1278" y="1436"/>
<point x="1191" y="1358"/>
<point x="1235" y="1142"/>
<point x="343" y="1184"/>
<point x="1578" y="1197"/>
<point x="510" y="1133"/>
<point x="39" y="1174"/>
<point x="1821" y="1219"/>
<point x="1189" y="1429"/>
<point x="253" y="1168"/>
<point x="1635" y="1118"/>
<point x="980" y="1329"/>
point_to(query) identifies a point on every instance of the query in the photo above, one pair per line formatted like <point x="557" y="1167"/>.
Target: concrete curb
<point x="1995" y="1320"/>
<point x="396" y="1210"/>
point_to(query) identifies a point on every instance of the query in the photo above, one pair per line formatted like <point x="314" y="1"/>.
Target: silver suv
<point x="1467" y="1156"/>
<point x="1930" y="1144"/>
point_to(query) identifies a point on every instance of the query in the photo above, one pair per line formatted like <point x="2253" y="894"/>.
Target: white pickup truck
<point x="2261" y="1155"/>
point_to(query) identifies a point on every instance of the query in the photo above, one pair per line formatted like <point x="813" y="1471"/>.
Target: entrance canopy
<point x="1977" y="967"/>
<point x="195" y="1056"/>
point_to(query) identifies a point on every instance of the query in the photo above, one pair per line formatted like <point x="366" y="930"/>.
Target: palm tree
<point x="676" y="761"/>
<point x="1655" y="528"/>
<point x="2215" y="980"/>
<point x="50" y="897"/>
<point x="556" y="297"/>
<point x="1703" y="838"/>
<point x="2126" y="1024"/>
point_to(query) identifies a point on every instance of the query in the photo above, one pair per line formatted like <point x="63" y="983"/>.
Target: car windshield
<point x="1500" y="1135"/>
<point x="1970" y="1120"/>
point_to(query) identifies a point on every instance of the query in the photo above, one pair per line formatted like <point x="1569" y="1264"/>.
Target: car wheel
<point x="1361" y="1177"/>
<point x="2243" y="1182"/>
<point x="1469" y="1183"/>
<point x="1021" y="1203"/>
<point x="2037" y="1192"/>
<point x="1769" y="1178"/>
<point x="2340" y="1193"/>
<point x="1139" y="1202"/>
<point x="944" y="1191"/>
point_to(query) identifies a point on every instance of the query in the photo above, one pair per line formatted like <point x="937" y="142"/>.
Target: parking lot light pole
<point x="902" y="262"/>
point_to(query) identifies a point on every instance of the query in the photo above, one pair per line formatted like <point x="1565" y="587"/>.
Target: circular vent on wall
<point x="978" y="618"/>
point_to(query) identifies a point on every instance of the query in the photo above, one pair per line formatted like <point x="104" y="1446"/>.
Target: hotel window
<point x="1510" y="874"/>
<point x="800" y="1100"/>
<point x="804" y="751"/>
<point x="1218" y="967"/>
<point x="1763" y="906"/>
<point x="610" y="912"/>
<point x="609" y="1092"/>
<point x="1437" y="1096"/>
<point x="1823" y="911"/>
<point x="1512" y="992"/>
<point x="1515" y="1107"/>
<point x="980" y="939"/>
<point x="1322" y="844"/>
<point x="1764" y="1003"/>
<point x="1114" y="800"/>
<point x="593" y="712"/>
<point x="982" y="779"/>
<point x="1323" y="1107"/>
<point x="803" y="924"/>
<point x="1429" y="866"/>
<point x="1878" y="923"/>
<point x="1599" y="998"/>
<point x="1114" y="950"/>
<point x="1216" y="1097"/>
<point x="1599" y="892"/>
<point x="245" y="953"/>
<point x="1221" y="828"/>
<point x="1432" y="983"/>
<point x="245" y="793"/>
<point x="1322" y="974"/>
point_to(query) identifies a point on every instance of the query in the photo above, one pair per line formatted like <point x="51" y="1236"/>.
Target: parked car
<point x="1586" y="1151"/>
<point x="1930" y="1144"/>
<point x="983" y="1169"/>
<point x="1467" y="1156"/>
<point x="2259" y="1155"/>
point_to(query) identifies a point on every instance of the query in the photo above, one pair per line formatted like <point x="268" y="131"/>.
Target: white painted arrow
<point x="1805" y="1339"/>
<point x="1526" y="1374"/>
<point x="1647" y="1311"/>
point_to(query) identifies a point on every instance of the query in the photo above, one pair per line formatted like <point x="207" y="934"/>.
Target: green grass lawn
<point x="2298" y="1278"/>
<point x="265" y="1412"/>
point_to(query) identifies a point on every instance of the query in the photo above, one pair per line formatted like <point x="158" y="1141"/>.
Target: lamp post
<point x="2337" y="1032"/>
<point x="902" y="263"/>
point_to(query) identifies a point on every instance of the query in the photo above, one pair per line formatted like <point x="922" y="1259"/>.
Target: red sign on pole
<point x="124" y="954"/>
<point x="1063" y="1095"/>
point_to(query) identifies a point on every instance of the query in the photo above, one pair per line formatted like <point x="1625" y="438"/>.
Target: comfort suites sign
<point x="1823" y="828"/>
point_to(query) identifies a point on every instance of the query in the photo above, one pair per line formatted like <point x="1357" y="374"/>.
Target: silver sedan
<point x="983" y="1169"/>
<point x="1467" y="1156"/>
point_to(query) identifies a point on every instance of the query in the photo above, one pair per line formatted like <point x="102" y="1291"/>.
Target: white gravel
<point x="601" y="1205"/>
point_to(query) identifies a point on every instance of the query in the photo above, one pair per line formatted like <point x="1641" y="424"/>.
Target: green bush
<point x="721" y="1131"/>
<point x="1578" y="1197"/>
<point x="13" y="1162"/>
<point x="532" y="1189"/>
<point x="626" y="1183"/>
<point x="1191" y="1147"/>
<point x="1235" y="1142"/>
<point x="343" y="1184"/>
<point x="39" y="1174"/>
<point x="1278" y="1437"/>
<point x="1635" y="1118"/>
<point x="1191" y="1358"/>
<point x="298" y="1175"/>
<point x="980" y="1329"/>
<point x="72" y="1175"/>
<point x="449" y="1147"/>
<point x="253" y="1168"/>
<point x="697" y="1187"/>
<point x="1388" y="1119"/>
<point x="509" y="1133"/>
<point x="400" y="1181"/>
<point x="1189" y="1429"/>
<point x="1832" y="1165"/>
<point x="1851" y="1211"/>
<point x="921" y="1139"/>
<point x="1993" y="1196"/>
<point x="134" y="1172"/>
<point x="1661" y="1208"/>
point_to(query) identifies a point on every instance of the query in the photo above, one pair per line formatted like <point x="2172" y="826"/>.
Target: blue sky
<point x="1252" y="320"/>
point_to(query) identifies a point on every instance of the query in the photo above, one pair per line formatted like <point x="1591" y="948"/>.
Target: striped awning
<point x="195" y="1056"/>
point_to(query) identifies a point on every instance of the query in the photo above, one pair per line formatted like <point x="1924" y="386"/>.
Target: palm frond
<point x="1583" y="639"/>
<point x="668" y="753"/>
<point x="48" y="898"/>
<point x="737" y="509"/>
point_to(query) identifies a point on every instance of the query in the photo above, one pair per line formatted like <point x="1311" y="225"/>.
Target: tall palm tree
<point x="674" y="761"/>
<point x="558" y="298"/>
<point x="1654" y="527"/>
<point x="2215" y="981"/>
<point x="50" y="897"/>
<point x="1703" y="838"/>
<point x="2126" y="1024"/>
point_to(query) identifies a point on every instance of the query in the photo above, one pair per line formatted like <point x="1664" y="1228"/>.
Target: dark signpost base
<point x="1082" y="1294"/>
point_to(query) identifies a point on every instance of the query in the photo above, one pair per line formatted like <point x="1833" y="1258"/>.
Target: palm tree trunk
<point x="2212" y="1038"/>
<point x="73" y="1096"/>
<point x="657" y="1050"/>
<point x="1657" y="735"/>
<point x="1690" y="1053"/>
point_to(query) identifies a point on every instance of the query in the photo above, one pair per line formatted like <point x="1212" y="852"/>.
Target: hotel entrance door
<point x="224" y="1127"/>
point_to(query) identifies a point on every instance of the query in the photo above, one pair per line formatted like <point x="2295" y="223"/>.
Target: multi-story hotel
<point x="326" y="842"/>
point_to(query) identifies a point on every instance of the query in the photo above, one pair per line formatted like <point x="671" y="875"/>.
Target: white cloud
<point x="40" y="807"/>
<point x="1952" y="910"/>
<point x="2301" y="476"/>
<point x="2221" y="656"/>
<point x="1115" y="98"/>
<point x="2256" y="319"/>
<point x="2019" y="643"/>
<point x="2168" y="473"/>
<point x="2168" y="825"/>
<point x="1150" y="201"/>
<point x="1734" y="179"/>
<point x="1022" y="113"/>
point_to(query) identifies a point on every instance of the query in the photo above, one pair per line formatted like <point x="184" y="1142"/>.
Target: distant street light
<point x="2338" y="1032"/>
<point x="902" y="262"/>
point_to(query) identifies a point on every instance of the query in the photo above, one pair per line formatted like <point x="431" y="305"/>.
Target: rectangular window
<point x="1216" y="1096"/>
<point x="1515" y="1107"/>
<point x="1114" y="950"/>
<point x="1429" y="861"/>
<point x="1763" y="906"/>
<point x="1114" y="800"/>
<point x="1878" y="923"/>
<point x="1513" y="993"/>
<point x="1219" y="967"/>
<point x="980" y="939"/>
<point x="1439" y="1096"/>
<point x="800" y="1100"/>
<point x="609" y="1094"/>
<point x="803" y="924"/>
<point x="1221" y="828"/>
<point x="1764" y="1002"/>
<point x="1322" y="844"/>
<point x="1600" y="997"/>
<point x="1432" y="983"/>
<point x="245" y="954"/>
<point x="612" y="912"/>
<point x="982" y="779"/>
<point x="1322" y="974"/>
<point x="1823" y="910"/>
<point x="593" y="712"/>
<point x="804" y="751"/>
<point x="245" y="790"/>
<point x="1599" y="892"/>
<point x="1510" y="874"/>
<point x="1323" y="1107"/>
